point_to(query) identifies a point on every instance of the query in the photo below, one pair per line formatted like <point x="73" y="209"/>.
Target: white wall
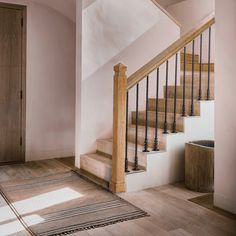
<point x="50" y="83"/>
<point x="108" y="28"/>
<point x="225" y="151"/>
<point x="97" y="89"/>
<point x="190" y="13"/>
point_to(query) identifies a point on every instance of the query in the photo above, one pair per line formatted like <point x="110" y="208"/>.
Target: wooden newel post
<point x="117" y="183"/>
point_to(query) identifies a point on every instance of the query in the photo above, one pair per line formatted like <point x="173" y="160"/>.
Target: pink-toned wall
<point x="78" y="135"/>
<point x="225" y="109"/>
<point x="50" y="83"/>
<point x="190" y="13"/>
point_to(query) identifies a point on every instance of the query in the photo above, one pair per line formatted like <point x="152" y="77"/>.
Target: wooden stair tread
<point x="131" y="145"/>
<point x="100" y="158"/>
<point x="159" y="113"/>
<point x="161" y="135"/>
<point x="172" y="100"/>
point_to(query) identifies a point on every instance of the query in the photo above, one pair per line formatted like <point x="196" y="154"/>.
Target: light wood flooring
<point x="171" y="214"/>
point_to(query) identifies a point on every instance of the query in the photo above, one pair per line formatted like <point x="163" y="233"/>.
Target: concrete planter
<point x="199" y="166"/>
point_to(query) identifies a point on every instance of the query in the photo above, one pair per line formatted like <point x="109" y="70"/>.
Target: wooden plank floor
<point x="170" y="211"/>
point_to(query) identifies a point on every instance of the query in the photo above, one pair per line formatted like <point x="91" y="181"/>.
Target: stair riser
<point x="188" y="92"/>
<point x="204" y="82"/>
<point x="96" y="168"/>
<point x="170" y="106"/>
<point x="141" y="138"/>
<point x="106" y="147"/>
<point x="197" y="67"/>
<point x="161" y="118"/>
<point x="189" y="58"/>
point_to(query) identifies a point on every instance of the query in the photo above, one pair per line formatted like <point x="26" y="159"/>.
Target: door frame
<point x="23" y="74"/>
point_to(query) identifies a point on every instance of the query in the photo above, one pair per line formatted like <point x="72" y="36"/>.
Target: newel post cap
<point x="120" y="68"/>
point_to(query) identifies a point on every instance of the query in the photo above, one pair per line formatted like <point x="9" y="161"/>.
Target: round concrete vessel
<point x="199" y="166"/>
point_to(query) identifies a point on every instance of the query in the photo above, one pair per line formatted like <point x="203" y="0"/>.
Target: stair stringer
<point x="168" y="167"/>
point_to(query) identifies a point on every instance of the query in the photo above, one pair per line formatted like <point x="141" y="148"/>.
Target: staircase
<point x="166" y="165"/>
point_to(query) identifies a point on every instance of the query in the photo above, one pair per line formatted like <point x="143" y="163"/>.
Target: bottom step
<point x="96" y="164"/>
<point x="92" y="178"/>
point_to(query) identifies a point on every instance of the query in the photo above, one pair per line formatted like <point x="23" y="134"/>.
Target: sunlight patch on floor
<point x="39" y="202"/>
<point x="46" y="200"/>
<point x="6" y="214"/>
<point x="16" y="227"/>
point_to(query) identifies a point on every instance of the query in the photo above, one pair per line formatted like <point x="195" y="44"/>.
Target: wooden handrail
<point x="157" y="61"/>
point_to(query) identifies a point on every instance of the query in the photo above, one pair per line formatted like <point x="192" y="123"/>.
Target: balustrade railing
<point x="169" y="103"/>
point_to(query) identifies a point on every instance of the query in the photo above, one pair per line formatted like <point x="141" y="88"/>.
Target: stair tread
<point x="98" y="157"/>
<point x="160" y="131"/>
<point x="160" y="113"/>
<point x="130" y="144"/>
<point x="93" y="178"/>
<point x="172" y="99"/>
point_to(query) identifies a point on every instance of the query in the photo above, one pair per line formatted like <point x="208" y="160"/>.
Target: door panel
<point x="10" y="84"/>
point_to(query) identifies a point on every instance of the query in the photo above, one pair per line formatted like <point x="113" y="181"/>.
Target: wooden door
<point x="11" y="84"/>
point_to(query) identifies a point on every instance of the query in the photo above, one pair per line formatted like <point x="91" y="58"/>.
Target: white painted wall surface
<point x="166" y="167"/>
<point x="50" y="83"/>
<point x="109" y="27"/>
<point x="97" y="89"/>
<point x="190" y="13"/>
<point x="225" y="150"/>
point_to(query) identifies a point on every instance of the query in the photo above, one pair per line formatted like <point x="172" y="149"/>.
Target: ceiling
<point x="167" y="3"/>
<point x="65" y="7"/>
<point x="68" y="7"/>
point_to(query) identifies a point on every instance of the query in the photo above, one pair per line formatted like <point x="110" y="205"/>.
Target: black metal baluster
<point x="126" y="134"/>
<point x="155" y="148"/>
<point x="209" y="65"/>
<point x="175" y="95"/>
<point x="200" y="71"/>
<point x="146" y="123"/>
<point x="136" y="131"/>
<point x="192" y="97"/>
<point x="166" y="99"/>
<point x="184" y="83"/>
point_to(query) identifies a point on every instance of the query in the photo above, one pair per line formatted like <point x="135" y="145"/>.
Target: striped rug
<point x="64" y="203"/>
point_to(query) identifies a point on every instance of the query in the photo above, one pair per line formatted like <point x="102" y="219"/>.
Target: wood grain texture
<point x="170" y="211"/>
<point x="157" y="61"/>
<point x="119" y="128"/>
<point x="11" y="83"/>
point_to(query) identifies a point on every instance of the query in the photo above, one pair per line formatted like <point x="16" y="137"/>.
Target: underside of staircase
<point x="167" y="165"/>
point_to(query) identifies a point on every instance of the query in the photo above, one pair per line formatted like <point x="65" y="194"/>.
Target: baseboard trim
<point x="225" y="203"/>
<point x="49" y="154"/>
